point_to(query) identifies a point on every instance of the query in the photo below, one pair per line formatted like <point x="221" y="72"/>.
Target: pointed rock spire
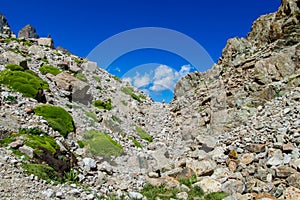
<point x="4" y="27"/>
<point x="28" y="32"/>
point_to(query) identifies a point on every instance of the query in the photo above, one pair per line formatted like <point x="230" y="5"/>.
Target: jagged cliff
<point x="233" y="129"/>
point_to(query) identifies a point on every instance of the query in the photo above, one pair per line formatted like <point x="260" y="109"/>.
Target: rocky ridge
<point x="234" y="127"/>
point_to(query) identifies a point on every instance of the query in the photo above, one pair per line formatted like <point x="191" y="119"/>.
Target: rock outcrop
<point x="4" y="26"/>
<point x="28" y="32"/>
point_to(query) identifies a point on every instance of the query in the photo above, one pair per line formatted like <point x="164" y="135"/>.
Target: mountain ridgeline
<point x="70" y="130"/>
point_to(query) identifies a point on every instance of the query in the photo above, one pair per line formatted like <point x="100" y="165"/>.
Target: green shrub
<point x="25" y="82"/>
<point x="44" y="60"/>
<point x="152" y="192"/>
<point x="91" y="115"/>
<point x="215" y="196"/>
<point x="58" y="118"/>
<point x="188" y="181"/>
<point x="129" y="91"/>
<point x="80" y="143"/>
<point x="42" y="171"/>
<point x="27" y="43"/>
<point x="78" y="61"/>
<point x="49" y="69"/>
<point x="135" y="142"/>
<point x="101" y="144"/>
<point x="143" y="134"/>
<point x="103" y="105"/>
<point x="81" y="77"/>
<point x="117" y="79"/>
<point x="71" y="176"/>
<point x="14" y="67"/>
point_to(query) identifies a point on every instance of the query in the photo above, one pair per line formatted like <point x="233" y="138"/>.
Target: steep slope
<point x="232" y="129"/>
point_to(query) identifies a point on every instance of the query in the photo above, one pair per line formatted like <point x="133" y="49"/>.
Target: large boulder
<point x="46" y="42"/>
<point x="78" y="88"/>
<point x="28" y="32"/>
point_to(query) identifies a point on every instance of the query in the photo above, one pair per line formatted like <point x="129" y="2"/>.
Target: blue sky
<point x="80" y="26"/>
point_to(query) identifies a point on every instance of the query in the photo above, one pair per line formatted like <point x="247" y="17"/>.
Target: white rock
<point x="135" y="195"/>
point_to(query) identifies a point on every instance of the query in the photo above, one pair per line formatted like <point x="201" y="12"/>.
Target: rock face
<point x="232" y="129"/>
<point x="28" y="32"/>
<point x="4" y="27"/>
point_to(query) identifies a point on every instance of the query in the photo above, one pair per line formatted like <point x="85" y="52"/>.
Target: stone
<point x="292" y="193"/>
<point x="27" y="150"/>
<point x="284" y="171"/>
<point x="203" y="167"/>
<point x="209" y="185"/>
<point x="182" y="196"/>
<point x="289" y="147"/>
<point x="232" y="164"/>
<point x="49" y="193"/>
<point x="276" y="159"/>
<point x="247" y="158"/>
<point x="89" y="164"/>
<point x="233" y="186"/>
<point x="12" y="57"/>
<point x="296" y="164"/>
<point x="255" y="148"/>
<point x="36" y="51"/>
<point x="79" y="89"/>
<point x="16" y="144"/>
<point x="162" y="162"/>
<point x="294" y="180"/>
<point x="46" y="42"/>
<point x="28" y="32"/>
<point x="135" y="195"/>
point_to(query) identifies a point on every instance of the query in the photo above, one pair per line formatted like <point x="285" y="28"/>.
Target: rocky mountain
<point x="70" y="130"/>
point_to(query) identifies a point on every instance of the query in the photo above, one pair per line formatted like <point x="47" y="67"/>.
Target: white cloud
<point x="165" y="77"/>
<point x="127" y="79"/>
<point x="141" y="81"/>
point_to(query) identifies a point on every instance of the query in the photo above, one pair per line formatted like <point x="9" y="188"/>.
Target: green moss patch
<point x="216" y="196"/>
<point x="103" y="105"/>
<point x="135" y="142"/>
<point x="25" y="82"/>
<point x="152" y="192"/>
<point x="101" y="144"/>
<point x="42" y="171"/>
<point x="81" y="77"/>
<point x="143" y="134"/>
<point x="14" y="67"/>
<point x="129" y="91"/>
<point x="45" y="69"/>
<point x="58" y="118"/>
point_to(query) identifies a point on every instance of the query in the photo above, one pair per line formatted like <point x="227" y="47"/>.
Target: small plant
<point x="103" y="105"/>
<point x="80" y="143"/>
<point x="10" y="99"/>
<point x="96" y="78"/>
<point x="58" y="118"/>
<point x="27" y="43"/>
<point x="129" y="91"/>
<point x="45" y="69"/>
<point x="101" y="144"/>
<point x="152" y="192"/>
<point x="143" y="134"/>
<point x="92" y="116"/>
<point x="142" y="96"/>
<point x="117" y="79"/>
<point x="71" y="176"/>
<point x="116" y="119"/>
<point x="45" y="60"/>
<point x="99" y="88"/>
<point x="215" y="196"/>
<point x="78" y="61"/>
<point x="135" y="142"/>
<point x="188" y="181"/>
<point x="81" y="77"/>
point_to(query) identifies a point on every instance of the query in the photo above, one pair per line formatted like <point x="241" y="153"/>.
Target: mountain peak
<point x="28" y="32"/>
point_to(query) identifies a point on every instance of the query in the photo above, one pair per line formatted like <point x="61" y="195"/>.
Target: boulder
<point x="46" y="42"/>
<point x="78" y="88"/>
<point x="28" y="32"/>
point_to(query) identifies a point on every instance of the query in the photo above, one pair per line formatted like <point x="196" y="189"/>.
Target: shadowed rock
<point x="28" y="32"/>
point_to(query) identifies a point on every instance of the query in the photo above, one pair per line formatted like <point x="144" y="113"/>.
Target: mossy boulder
<point x="25" y="82"/>
<point x="101" y="144"/>
<point x="58" y="118"/>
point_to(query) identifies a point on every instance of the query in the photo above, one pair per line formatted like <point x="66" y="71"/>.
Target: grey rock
<point x="209" y="185"/>
<point x="27" y="150"/>
<point x="48" y="42"/>
<point x="28" y="32"/>
<point x="89" y="164"/>
<point x="135" y="195"/>
<point x="203" y="167"/>
<point x="49" y="193"/>
<point x="233" y="186"/>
